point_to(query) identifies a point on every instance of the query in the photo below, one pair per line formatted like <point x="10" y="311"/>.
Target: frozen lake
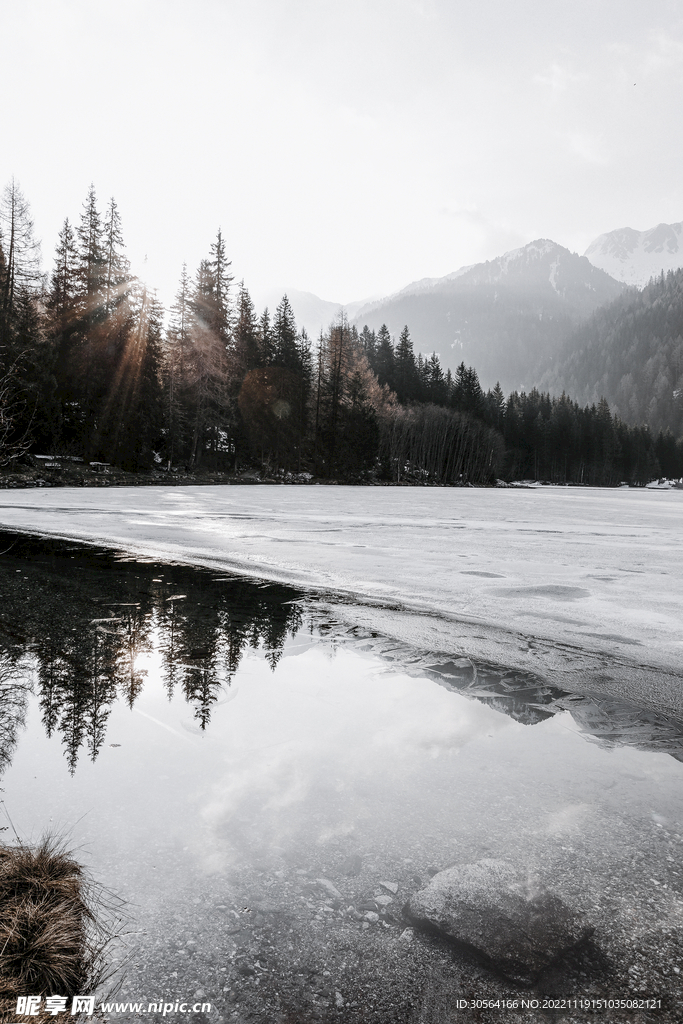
<point x="266" y="777"/>
<point x="583" y="585"/>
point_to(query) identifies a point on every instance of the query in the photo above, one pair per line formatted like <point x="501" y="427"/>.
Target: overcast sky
<point x="345" y="147"/>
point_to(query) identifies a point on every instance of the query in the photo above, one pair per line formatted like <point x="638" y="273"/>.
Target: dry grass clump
<point x="53" y="936"/>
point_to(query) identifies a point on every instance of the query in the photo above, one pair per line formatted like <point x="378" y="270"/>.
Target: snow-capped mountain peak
<point x="636" y="256"/>
<point x="543" y="266"/>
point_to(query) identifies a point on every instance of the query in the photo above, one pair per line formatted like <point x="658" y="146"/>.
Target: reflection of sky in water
<point x="332" y="750"/>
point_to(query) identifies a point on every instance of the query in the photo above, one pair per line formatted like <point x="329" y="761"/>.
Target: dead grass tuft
<point x="55" y="925"/>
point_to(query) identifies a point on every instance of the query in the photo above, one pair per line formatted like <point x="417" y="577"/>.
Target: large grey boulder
<point x="498" y="912"/>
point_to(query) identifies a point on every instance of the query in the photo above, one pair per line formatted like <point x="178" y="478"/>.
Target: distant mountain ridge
<point x="502" y="316"/>
<point x="414" y="288"/>
<point x="636" y="256"/>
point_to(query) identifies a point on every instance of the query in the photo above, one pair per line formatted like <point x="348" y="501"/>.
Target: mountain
<point x="504" y="316"/>
<point x="635" y="256"/>
<point x="630" y="352"/>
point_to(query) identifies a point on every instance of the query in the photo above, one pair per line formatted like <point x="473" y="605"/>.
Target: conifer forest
<point x="93" y="367"/>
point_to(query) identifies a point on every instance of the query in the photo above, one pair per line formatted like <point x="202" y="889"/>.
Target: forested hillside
<point x="631" y="353"/>
<point x="93" y="369"/>
<point x="504" y="316"/>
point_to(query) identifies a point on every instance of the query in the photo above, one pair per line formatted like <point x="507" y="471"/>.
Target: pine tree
<point x="92" y="258"/>
<point x="63" y="293"/>
<point x="116" y="266"/>
<point x="131" y="416"/>
<point x="144" y="428"/>
<point x="179" y="335"/>
<point x="248" y="355"/>
<point x="265" y="339"/>
<point x="212" y="370"/>
<point x="212" y="293"/>
<point x="405" y="370"/>
<point x="467" y="395"/>
<point x="284" y="334"/>
<point x="42" y="421"/>
<point x="384" y="365"/>
<point x="305" y="357"/>
<point x="438" y="389"/>
<point x="220" y="266"/>
<point x="62" y="320"/>
<point x="368" y="342"/>
<point x="495" y="407"/>
<point x="176" y="362"/>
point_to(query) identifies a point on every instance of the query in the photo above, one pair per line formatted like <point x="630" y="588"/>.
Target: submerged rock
<point x="329" y="887"/>
<point x="352" y="865"/>
<point x="391" y="887"/>
<point x="492" y="909"/>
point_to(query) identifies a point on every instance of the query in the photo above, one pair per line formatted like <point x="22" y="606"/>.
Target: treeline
<point x="557" y="440"/>
<point x="90" y="369"/>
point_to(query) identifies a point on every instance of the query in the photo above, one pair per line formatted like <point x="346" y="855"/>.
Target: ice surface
<point x="584" y="586"/>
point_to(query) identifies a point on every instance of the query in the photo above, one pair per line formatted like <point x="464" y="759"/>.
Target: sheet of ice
<point x="584" y="586"/>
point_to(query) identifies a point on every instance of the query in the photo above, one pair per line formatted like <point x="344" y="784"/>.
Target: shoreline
<point x="81" y="475"/>
<point x="580" y="589"/>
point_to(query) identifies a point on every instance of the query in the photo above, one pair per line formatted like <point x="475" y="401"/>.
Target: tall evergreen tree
<point x="63" y="313"/>
<point x="495" y="407"/>
<point x="368" y="341"/>
<point x="467" y="395"/>
<point x="211" y="392"/>
<point x="436" y="382"/>
<point x="63" y="293"/>
<point x="117" y="267"/>
<point x="92" y="256"/>
<point x="247" y="352"/>
<point x="212" y="293"/>
<point x="181" y="322"/>
<point x="405" y="370"/>
<point x="175" y="370"/>
<point x="141" y="436"/>
<point x="285" y="349"/>
<point x="265" y="337"/>
<point x="384" y="364"/>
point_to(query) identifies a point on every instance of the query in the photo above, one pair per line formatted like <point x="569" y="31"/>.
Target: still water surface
<point x="213" y="746"/>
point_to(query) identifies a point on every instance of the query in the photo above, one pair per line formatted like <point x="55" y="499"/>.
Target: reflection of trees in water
<point x="76" y="682"/>
<point x="202" y="642"/>
<point x="13" y="702"/>
<point x="86" y="617"/>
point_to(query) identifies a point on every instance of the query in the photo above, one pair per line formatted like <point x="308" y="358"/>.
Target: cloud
<point x="485" y="238"/>
<point x="329" y="743"/>
<point x="558" y="80"/>
<point x="587" y="148"/>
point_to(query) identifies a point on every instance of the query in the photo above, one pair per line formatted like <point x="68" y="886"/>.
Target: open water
<point x="250" y="775"/>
